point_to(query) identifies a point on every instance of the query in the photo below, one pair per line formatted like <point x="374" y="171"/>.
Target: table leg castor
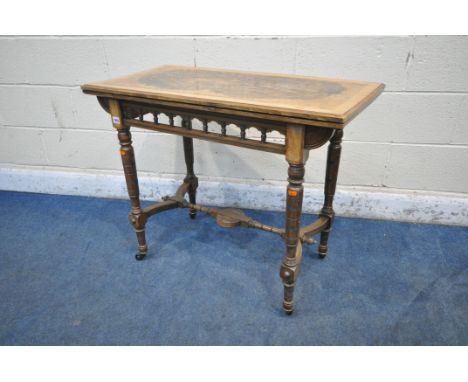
<point x="142" y="251"/>
<point x="322" y="252"/>
<point x="140" y="256"/>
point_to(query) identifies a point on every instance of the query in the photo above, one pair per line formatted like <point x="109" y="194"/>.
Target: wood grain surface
<point x="313" y="98"/>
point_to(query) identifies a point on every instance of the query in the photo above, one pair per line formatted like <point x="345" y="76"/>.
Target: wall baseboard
<point x="361" y="202"/>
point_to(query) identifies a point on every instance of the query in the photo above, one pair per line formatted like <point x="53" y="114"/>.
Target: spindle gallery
<point x="307" y="111"/>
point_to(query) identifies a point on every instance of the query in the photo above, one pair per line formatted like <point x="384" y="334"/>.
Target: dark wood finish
<point x="315" y="138"/>
<point x="104" y="97"/>
<point x="160" y="207"/>
<point x="333" y="163"/>
<point x="190" y="177"/>
<point x="318" y="226"/>
<point x="228" y="217"/>
<point x="136" y="217"/>
<point x="307" y="111"/>
<point x="209" y="136"/>
<point x="289" y="270"/>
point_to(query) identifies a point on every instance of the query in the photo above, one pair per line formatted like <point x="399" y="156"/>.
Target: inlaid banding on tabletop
<point x="330" y="102"/>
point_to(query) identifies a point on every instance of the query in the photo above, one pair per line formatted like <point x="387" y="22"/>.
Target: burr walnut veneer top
<point x="290" y="96"/>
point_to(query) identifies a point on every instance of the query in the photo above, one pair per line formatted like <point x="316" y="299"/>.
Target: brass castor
<point x="140" y="256"/>
<point x="322" y="252"/>
<point x="288" y="308"/>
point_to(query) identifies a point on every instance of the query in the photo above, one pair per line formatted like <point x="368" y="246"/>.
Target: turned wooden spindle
<point x="243" y="128"/>
<point x="333" y="162"/>
<point x="136" y="217"/>
<point x="155" y="118"/>
<point x="171" y="119"/>
<point x="264" y="136"/>
<point x="289" y="270"/>
<point x="205" y="125"/>
<point x="223" y="128"/>
<point x="190" y="177"/>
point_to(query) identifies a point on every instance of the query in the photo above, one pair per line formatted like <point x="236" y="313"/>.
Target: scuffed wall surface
<point x="414" y="137"/>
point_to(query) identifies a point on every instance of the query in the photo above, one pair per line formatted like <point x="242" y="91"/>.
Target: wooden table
<point x="307" y="111"/>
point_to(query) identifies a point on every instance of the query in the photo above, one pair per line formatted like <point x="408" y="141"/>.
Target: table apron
<point x="208" y="136"/>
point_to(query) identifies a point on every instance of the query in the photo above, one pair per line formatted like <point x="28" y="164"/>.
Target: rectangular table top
<point x="311" y="98"/>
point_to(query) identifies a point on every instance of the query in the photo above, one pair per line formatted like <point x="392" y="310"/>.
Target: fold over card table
<point x="186" y="101"/>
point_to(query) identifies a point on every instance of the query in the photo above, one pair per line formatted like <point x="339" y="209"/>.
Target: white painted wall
<point x="412" y="141"/>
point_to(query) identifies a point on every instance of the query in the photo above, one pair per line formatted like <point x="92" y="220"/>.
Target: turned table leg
<point x="190" y="177"/>
<point x="136" y="217"/>
<point x="333" y="162"/>
<point x="291" y="264"/>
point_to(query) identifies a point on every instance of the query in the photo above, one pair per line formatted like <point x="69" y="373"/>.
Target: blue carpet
<point x="68" y="277"/>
